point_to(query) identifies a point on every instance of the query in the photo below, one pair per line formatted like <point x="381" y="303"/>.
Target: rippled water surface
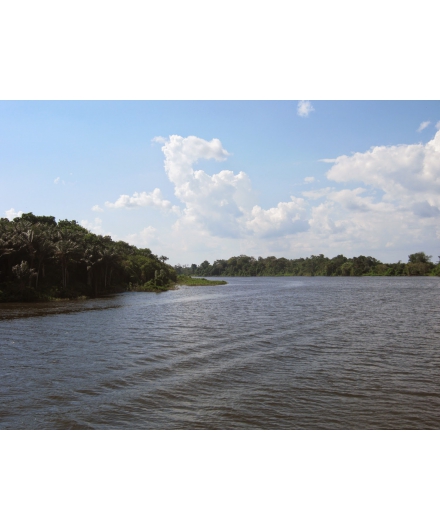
<point x="258" y="353"/>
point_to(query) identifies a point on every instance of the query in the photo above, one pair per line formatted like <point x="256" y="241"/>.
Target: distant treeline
<point x="419" y="264"/>
<point x="41" y="259"/>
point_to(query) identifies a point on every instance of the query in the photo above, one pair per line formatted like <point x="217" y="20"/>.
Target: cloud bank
<point x="407" y="180"/>
<point x="222" y="204"/>
<point x="385" y="197"/>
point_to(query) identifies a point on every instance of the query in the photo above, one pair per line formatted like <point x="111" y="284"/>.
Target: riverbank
<point x="188" y="280"/>
<point x="29" y="294"/>
<point x="156" y="287"/>
<point x="11" y="293"/>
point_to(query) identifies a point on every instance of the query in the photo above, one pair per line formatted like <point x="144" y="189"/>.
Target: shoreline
<point x="189" y="282"/>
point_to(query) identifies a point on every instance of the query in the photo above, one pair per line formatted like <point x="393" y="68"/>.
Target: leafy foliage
<point x="419" y="264"/>
<point x="42" y="259"/>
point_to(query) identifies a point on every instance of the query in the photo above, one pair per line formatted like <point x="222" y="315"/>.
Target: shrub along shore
<point x="188" y="280"/>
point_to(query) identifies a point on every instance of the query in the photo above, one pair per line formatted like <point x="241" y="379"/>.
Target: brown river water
<point x="257" y="353"/>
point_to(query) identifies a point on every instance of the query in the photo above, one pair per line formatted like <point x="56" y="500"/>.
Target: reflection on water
<point x="25" y="310"/>
<point x="258" y="353"/>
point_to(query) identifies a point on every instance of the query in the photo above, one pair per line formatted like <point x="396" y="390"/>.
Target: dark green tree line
<point x="42" y="259"/>
<point x="419" y="264"/>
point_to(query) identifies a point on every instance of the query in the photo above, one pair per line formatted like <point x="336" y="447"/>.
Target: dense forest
<point x="418" y="264"/>
<point x="41" y="259"/>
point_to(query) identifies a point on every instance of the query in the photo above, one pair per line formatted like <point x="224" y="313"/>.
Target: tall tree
<point x="66" y="249"/>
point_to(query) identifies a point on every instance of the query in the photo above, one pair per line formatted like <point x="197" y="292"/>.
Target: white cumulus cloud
<point x="317" y="194"/>
<point x="285" y="218"/>
<point x="404" y="172"/>
<point x="304" y="108"/>
<point x="398" y="203"/>
<point x="181" y="154"/>
<point x="12" y="214"/>
<point x="223" y="204"/>
<point x="159" y="139"/>
<point x="94" y="226"/>
<point x="214" y="203"/>
<point x="143" y="199"/>
<point x="145" y="237"/>
<point x="97" y="208"/>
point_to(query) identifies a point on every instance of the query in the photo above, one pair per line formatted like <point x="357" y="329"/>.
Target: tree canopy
<point x="319" y="265"/>
<point x="43" y="259"/>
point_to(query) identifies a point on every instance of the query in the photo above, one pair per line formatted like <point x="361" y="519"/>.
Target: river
<point x="257" y="353"/>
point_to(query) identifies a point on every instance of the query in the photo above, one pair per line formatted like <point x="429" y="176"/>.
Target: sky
<point x="197" y="180"/>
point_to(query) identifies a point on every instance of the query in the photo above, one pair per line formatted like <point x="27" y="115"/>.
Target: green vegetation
<point x="187" y="280"/>
<point x="419" y="264"/>
<point x="41" y="259"/>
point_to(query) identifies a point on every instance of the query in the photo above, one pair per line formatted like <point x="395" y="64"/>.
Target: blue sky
<point x="261" y="189"/>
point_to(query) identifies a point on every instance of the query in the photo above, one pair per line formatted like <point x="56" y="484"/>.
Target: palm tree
<point x="110" y="259"/>
<point x="7" y="246"/>
<point x="25" y="237"/>
<point x="65" y="251"/>
<point x="16" y="239"/>
<point x="24" y="274"/>
<point x="44" y="248"/>
<point x="92" y="258"/>
<point x="37" y="241"/>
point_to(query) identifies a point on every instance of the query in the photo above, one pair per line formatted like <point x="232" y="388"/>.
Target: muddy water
<point x="257" y="353"/>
